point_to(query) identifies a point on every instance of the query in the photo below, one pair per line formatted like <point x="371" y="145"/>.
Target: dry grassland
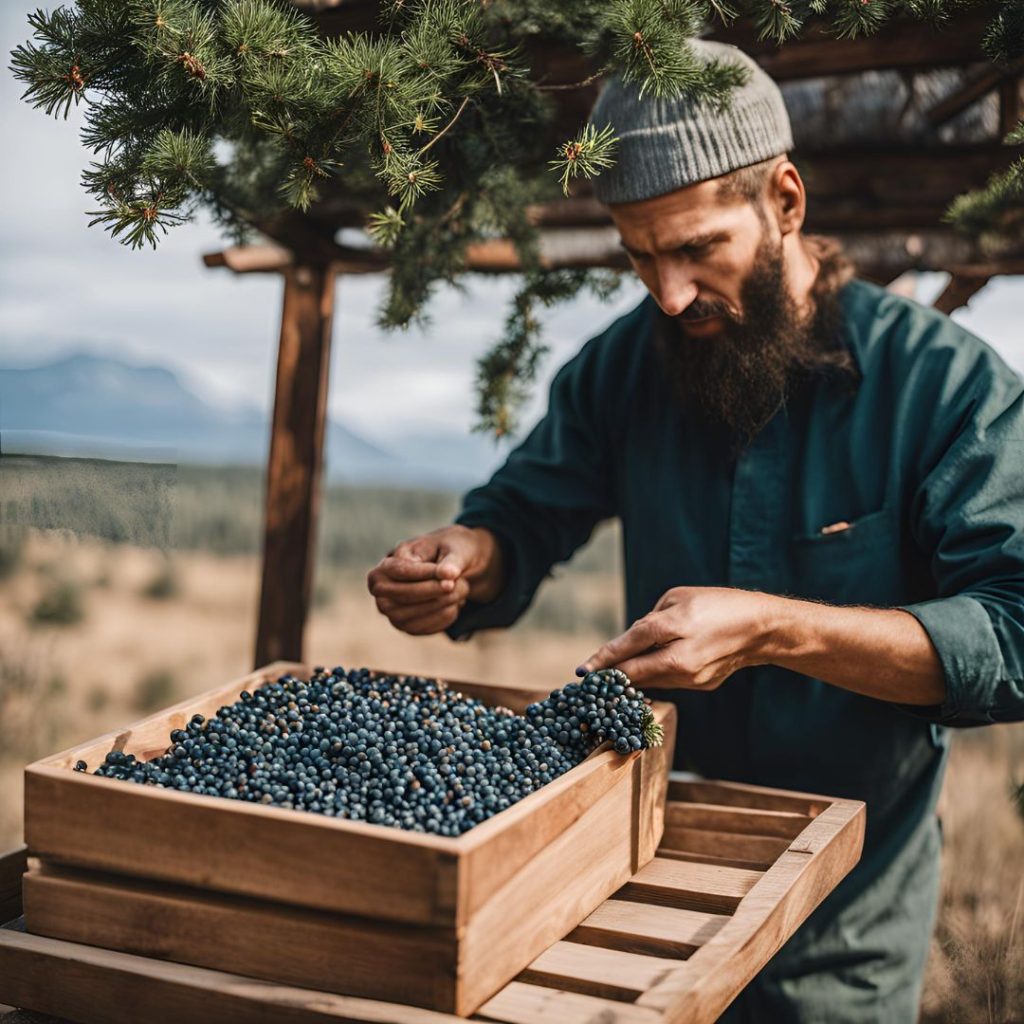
<point x="152" y="631"/>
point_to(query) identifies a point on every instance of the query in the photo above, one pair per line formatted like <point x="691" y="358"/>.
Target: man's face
<point x="694" y="252"/>
<point x="732" y="339"/>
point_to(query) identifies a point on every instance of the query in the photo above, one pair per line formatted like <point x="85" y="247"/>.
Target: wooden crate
<point x="429" y="920"/>
<point x="675" y="944"/>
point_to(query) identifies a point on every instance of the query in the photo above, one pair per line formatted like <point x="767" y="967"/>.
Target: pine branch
<point x="654" y="733"/>
<point x="586" y="155"/>
<point x="505" y="374"/>
<point x="430" y="124"/>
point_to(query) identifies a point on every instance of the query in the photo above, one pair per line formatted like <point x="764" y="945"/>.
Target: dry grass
<point x="976" y="970"/>
<point x="60" y="685"/>
<point x="128" y="648"/>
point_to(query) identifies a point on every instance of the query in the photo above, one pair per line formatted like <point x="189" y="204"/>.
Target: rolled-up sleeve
<point x="969" y="512"/>
<point x="545" y="501"/>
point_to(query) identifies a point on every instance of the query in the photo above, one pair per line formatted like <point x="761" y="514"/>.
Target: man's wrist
<point x="487" y="576"/>
<point x="783" y="632"/>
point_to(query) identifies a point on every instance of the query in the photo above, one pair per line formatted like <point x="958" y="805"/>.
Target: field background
<point x="125" y="587"/>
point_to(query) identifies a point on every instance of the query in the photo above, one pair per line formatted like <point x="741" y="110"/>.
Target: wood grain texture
<point x="743" y="820"/>
<point x="84" y="983"/>
<point x="741" y="795"/>
<point x="546" y="899"/>
<point x="519" y="1003"/>
<point x="446" y="969"/>
<point x="690" y="885"/>
<point x="235" y="847"/>
<point x="593" y="970"/>
<point x="760" y="850"/>
<point x="13" y="864"/>
<point x="631" y="950"/>
<point x="273" y="942"/>
<point x="647" y="928"/>
<point x="295" y="462"/>
<point x="770" y="912"/>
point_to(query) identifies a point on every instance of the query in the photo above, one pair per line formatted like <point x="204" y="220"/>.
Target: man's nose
<point x="676" y="290"/>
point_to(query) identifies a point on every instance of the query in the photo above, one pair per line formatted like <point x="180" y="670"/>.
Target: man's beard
<point x="737" y="379"/>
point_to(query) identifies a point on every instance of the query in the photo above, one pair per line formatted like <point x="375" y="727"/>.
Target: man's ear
<point x="787" y="197"/>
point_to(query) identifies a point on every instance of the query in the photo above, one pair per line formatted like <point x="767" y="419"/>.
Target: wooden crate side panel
<point x="85" y="826"/>
<point x="272" y="942"/>
<point x="499" y="853"/>
<point x="653" y="790"/>
<point x="148" y="737"/>
<point x="13" y="864"/>
<point x="84" y="983"/>
<point x="208" y="842"/>
<point x="564" y="883"/>
<point x="770" y="912"/>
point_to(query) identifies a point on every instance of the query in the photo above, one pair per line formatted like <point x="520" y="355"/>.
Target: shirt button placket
<point x="756" y="531"/>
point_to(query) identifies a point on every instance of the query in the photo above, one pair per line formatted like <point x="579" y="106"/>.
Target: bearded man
<point x="821" y="491"/>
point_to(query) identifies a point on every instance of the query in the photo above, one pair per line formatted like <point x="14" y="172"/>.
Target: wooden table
<point x="739" y="869"/>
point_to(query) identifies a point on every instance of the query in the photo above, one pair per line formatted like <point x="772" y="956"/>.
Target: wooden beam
<point x="909" y="43"/>
<point x="901" y="176"/>
<point x="251" y="259"/>
<point x="973" y="88"/>
<point x="958" y="292"/>
<point x="295" y="463"/>
<point x="1010" y="105"/>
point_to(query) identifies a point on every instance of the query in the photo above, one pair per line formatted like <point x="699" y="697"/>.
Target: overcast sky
<point x="67" y="287"/>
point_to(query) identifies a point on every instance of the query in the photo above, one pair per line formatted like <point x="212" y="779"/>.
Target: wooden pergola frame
<point x="885" y="204"/>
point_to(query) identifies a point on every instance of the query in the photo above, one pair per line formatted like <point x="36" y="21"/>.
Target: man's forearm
<point x="879" y="652"/>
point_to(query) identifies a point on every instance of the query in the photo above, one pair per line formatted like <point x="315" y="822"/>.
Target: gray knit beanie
<point x="668" y="143"/>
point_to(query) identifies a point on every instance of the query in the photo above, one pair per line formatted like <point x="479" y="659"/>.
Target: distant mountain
<point x="90" y="405"/>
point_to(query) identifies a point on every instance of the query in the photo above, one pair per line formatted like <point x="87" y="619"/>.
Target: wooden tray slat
<point x="759" y="849"/>
<point x="519" y="1003"/>
<point x="595" y="971"/>
<point x="707" y="858"/>
<point x="738" y="794"/>
<point x="649" y="929"/>
<point x="742" y="820"/>
<point x="692" y="886"/>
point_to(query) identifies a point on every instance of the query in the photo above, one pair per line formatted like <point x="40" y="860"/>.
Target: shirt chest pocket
<point x="854" y="563"/>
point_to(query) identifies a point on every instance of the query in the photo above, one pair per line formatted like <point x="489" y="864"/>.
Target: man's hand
<point x="695" y="638"/>
<point x="422" y="585"/>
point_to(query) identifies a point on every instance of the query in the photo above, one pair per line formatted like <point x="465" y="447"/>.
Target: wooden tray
<point x="461" y="916"/>
<point x="676" y="943"/>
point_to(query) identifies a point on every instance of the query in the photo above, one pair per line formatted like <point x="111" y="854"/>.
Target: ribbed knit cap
<point x="668" y="143"/>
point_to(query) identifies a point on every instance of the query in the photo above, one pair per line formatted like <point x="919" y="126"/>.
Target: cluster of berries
<point x="401" y="751"/>
<point x="601" y="706"/>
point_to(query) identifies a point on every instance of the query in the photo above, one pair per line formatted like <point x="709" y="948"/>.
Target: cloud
<point x="66" y="286"/>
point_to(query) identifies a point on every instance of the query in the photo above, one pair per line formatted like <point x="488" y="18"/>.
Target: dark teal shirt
<point x="923" y="456"/>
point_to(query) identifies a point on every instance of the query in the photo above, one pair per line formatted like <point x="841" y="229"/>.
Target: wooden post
<point x="959" y="291"/>
<point x="295" y="462"/>
<point x="1011" y="109"/>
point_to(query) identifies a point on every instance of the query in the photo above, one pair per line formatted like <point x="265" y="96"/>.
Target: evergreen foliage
<point x="432" y="123"/>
